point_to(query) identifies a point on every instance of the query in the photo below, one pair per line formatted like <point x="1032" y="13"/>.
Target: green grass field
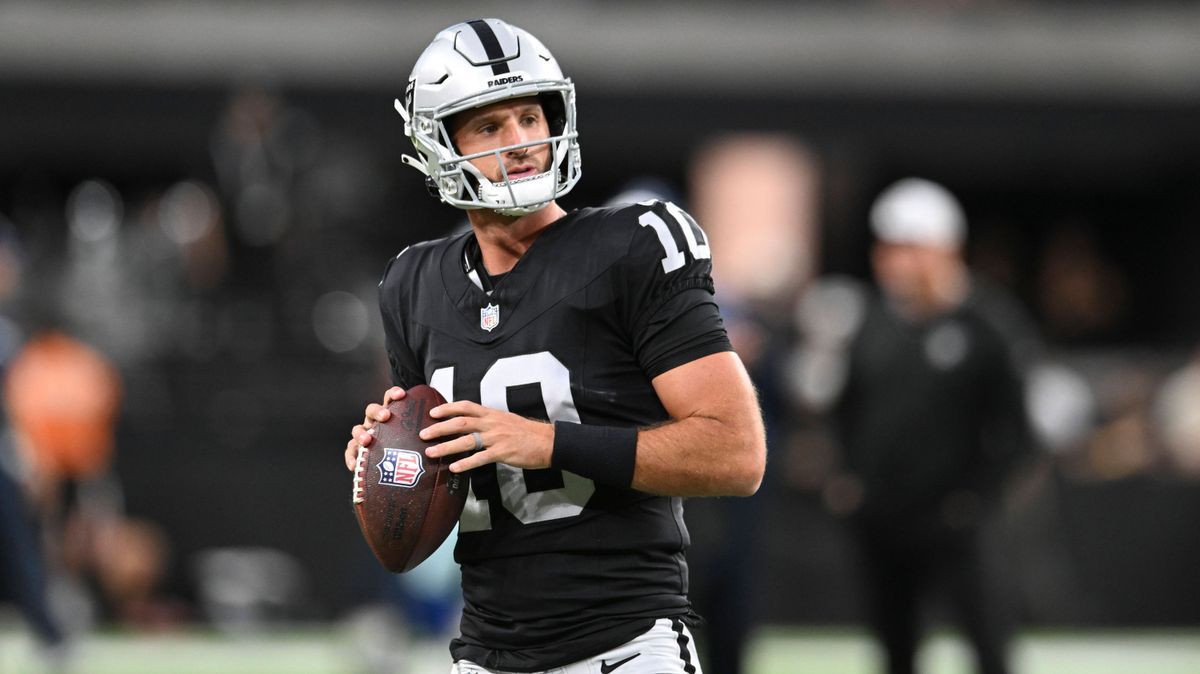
<point x="775" y="651"/>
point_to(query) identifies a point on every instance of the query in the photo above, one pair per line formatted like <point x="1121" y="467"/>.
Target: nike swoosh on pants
<point x="605" y="668"/>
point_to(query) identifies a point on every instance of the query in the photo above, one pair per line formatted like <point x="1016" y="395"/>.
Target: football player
<point x="591" y="379"/>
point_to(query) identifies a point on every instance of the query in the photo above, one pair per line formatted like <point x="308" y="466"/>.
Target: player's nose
<point x="515" y="134"/>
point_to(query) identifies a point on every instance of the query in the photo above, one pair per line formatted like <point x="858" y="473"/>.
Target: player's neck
<point x="503" y="239"/>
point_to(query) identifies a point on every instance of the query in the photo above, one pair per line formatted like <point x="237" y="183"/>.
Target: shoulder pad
<point x="408" y="262"/>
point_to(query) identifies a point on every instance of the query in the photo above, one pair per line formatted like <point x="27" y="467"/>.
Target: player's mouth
<point x="521" y="171"/>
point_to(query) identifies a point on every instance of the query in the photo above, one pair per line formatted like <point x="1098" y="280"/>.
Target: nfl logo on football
<point x="400" y="468"/>
<point x="489" y="317"/>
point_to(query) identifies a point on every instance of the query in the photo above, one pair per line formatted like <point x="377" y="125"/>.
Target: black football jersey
<point x="557" y="567"/>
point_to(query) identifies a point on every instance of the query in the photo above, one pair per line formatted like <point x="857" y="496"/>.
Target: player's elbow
<point x="747" y="475"/>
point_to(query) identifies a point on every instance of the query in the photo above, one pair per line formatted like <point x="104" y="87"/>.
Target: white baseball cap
<point x="918" y="212"/>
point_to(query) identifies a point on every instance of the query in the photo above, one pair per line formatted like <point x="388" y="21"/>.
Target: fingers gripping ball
<point x="406" y="502"/>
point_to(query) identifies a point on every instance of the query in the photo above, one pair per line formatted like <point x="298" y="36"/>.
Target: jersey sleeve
<point x="405" y="370"/>
<point x="670" y="310"/>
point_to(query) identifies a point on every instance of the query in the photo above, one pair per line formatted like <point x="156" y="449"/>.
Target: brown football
<point x="406" y="502"/>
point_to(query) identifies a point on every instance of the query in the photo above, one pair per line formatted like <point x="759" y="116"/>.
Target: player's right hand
<point x="360" y="435"/>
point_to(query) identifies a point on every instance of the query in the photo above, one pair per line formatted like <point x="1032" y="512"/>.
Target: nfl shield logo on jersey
<point x="400" y="468"/>
<point x="489" y="317"/>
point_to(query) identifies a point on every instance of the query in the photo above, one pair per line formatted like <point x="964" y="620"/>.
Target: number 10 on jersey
<point x="554" y="380"/>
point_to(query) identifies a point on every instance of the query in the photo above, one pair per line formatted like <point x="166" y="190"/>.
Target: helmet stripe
<point x="491" y="45"/>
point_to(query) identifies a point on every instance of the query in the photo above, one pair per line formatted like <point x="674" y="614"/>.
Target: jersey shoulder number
<point x="679" y="236"/>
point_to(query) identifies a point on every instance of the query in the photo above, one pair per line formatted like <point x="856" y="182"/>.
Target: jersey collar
<point x="471" y="290"/>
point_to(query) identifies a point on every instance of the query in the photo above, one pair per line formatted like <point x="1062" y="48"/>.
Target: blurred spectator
<point x="113" y="566"/>
<point x="64" y="399"/>
<point x="757" y="197"/>
<point x="928" y="409"/>
<point x="1082" y="295"/>
<point x="22" y="567"/>
<point x="1121" y="443"/>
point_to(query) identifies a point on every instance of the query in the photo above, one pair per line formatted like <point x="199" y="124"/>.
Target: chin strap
<point x="415" y="163"/>
<point x="403" y="113"/>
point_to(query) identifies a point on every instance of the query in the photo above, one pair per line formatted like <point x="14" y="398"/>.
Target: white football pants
<point x="666" y="648"/>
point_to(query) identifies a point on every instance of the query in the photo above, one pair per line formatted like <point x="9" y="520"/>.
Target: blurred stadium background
<point x="206" y="193"/>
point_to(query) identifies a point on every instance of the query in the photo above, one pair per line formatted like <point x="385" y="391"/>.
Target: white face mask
<point x="520" y="196"/>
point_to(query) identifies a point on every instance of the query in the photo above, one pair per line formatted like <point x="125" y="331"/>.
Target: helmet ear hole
<point x="555" y="112"/>
<point x="471" y="181"/>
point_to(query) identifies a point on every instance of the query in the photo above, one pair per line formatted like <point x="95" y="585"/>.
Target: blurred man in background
<point x="930" y="420"/>
<point x="22" y="567"/>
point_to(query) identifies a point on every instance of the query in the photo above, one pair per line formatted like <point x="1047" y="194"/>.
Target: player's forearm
<point x="714" y="446"/>
<point x="702" y="455"/>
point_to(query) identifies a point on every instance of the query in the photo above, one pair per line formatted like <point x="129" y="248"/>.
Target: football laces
<point x="360" y="467"/>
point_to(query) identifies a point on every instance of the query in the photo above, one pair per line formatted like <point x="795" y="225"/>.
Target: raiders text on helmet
<point x="473" y="64"/>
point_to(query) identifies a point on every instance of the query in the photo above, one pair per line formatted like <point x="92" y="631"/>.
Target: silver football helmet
<point x="473" y="64"/>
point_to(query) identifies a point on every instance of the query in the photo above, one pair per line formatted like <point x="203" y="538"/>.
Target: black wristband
<point x="605" y="454"/>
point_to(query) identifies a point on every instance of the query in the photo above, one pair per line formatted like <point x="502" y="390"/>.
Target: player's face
<point x="501" y="124"/>
<point x="907" y="272"/>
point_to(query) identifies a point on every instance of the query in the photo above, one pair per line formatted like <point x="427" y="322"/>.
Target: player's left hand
<point x="506" y="437"/>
